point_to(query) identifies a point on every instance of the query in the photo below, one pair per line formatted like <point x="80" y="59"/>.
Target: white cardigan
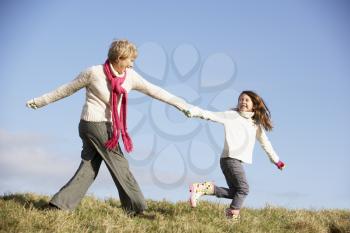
<point x="97" y="101"/>
<point x="240" y="134"/>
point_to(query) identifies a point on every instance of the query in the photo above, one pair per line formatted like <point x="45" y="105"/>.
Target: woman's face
<point x="245" y="103"/>
<point x="121" y="65"/>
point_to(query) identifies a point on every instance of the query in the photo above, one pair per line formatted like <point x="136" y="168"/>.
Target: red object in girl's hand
<point x="280" y="165"/>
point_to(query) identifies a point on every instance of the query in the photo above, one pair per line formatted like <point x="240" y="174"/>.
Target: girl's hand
<point x="193" y="111"/>
<point x="280" y="165"/>
<point x="189" y="112"/>
<point x="31" y="104"/>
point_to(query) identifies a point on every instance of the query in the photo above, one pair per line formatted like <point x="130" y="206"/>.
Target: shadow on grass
<point x="28" y="201"/>
<point x="339" y="228"/>
<point x="32" y="201"/>
<point x="165" y="210"/>
<point x="153" y="209"/>
<point x="147" y="216"/>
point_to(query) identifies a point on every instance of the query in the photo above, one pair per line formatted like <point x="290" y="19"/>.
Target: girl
<point x="103" y="120"/>
<point x="247" y="121"/>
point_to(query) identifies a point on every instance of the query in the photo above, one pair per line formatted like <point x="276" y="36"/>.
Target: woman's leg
<point x="130" y="194"/>
<point x="131" y="197"/>
<point x="71" y="194"/>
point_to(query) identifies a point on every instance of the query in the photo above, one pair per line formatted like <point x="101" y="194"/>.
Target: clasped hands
<point x="192" y="111"/>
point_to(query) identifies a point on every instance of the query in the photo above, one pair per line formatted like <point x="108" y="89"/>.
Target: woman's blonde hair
<point x="262" y="115"/>
<point x="121" y="50"/>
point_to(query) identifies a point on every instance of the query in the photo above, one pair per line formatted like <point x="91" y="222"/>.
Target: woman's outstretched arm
<point x="63" y="91"/>
<point x="156" y="92"/>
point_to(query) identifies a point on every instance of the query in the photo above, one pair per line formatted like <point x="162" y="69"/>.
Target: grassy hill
<point x="27" y="213"/>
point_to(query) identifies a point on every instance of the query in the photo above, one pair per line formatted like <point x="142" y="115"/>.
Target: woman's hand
<point x="31" y="104"/>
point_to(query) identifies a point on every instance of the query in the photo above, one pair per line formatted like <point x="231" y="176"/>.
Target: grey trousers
<point x="236" y="181"/>
<point x="94" y="135"/>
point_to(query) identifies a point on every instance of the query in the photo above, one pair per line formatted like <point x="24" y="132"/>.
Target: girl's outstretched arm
<point x="219" y="117"/>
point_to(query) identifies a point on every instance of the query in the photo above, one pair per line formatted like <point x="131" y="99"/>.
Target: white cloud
<point x="27" y="163"/>
<point x="25" y="153"/>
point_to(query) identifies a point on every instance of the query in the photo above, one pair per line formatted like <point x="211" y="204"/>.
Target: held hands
<point x="187" y="113"/>
<point x="191" y="111"/>
<point x="31" y="104"/>
<point x="280" y="165"/>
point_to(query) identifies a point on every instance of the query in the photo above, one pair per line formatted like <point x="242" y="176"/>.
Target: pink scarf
<point x="119" y="121"/>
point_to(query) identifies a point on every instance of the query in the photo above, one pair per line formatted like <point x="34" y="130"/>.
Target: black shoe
<point x="51" y="206"/>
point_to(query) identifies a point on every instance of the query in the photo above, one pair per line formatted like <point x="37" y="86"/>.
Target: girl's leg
<point x="199" y="189"/>
<point x="71" y="194"/>
<point x="237" y="182"/>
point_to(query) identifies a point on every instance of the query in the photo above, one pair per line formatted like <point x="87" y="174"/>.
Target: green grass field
<point x="27" y="213"/>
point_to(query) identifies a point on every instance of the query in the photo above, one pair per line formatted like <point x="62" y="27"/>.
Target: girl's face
<point x="121" y="65"/>
<point x="245" y="103"/>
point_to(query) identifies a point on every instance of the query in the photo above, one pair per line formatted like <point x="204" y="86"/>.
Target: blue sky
<point x="295" y="54"/>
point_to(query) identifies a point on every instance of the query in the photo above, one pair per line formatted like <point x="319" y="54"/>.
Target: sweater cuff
<point x="40" y="101"/>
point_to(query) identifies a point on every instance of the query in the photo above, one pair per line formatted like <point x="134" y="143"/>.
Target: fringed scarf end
<point x="111" y="144"/>
<point x="127" y="142"/>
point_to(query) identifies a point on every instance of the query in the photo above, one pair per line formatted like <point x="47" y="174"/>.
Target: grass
<point x="28" y="213"/>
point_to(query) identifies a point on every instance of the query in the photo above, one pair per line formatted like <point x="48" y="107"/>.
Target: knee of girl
<point x="244" y="191"/>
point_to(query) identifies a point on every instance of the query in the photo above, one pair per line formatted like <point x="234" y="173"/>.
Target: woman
<point x="103" y="120"/>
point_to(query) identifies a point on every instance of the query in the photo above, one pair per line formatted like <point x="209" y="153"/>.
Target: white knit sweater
<point x="240" y="134"/>
<point x="97" y="101"/>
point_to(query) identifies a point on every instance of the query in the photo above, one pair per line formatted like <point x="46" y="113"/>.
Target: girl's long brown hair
<point x="262" y="115"/>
